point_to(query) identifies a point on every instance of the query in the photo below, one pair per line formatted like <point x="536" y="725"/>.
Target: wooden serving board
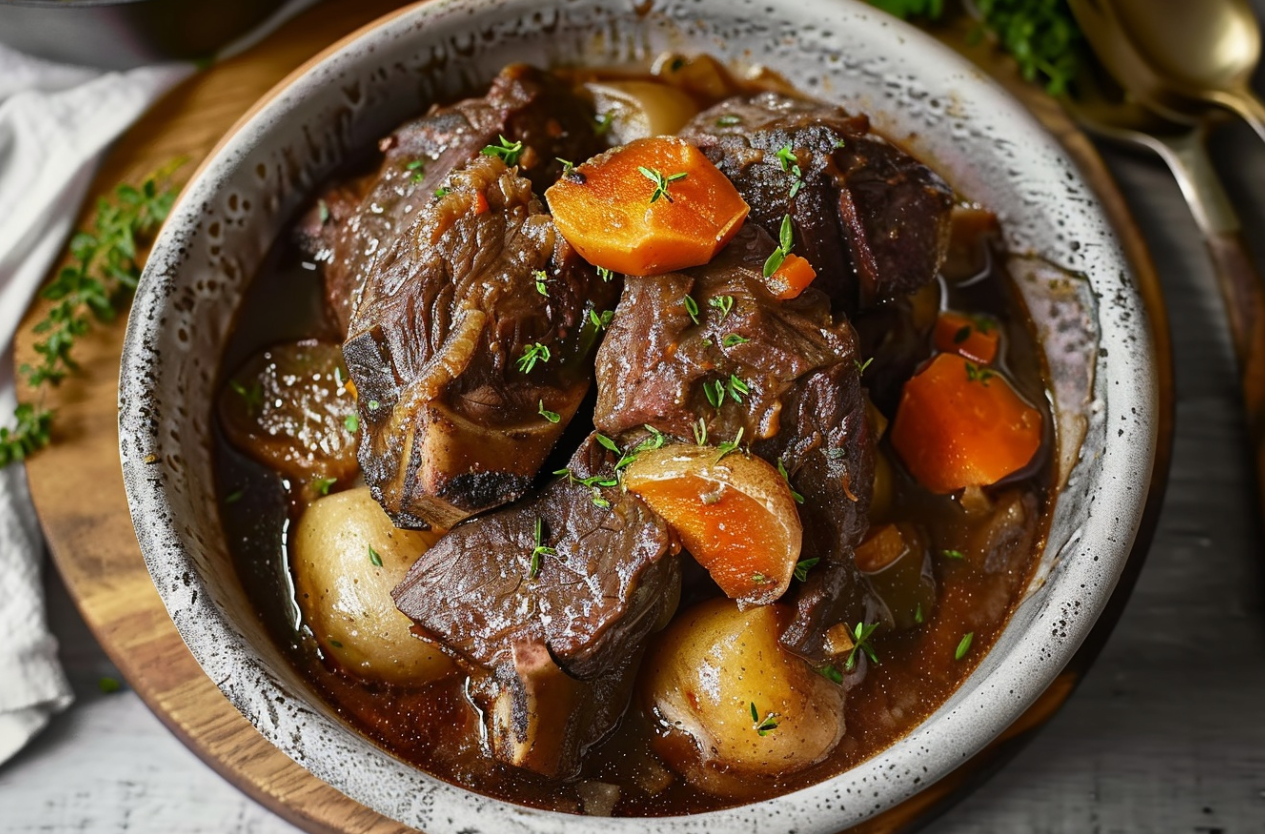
<point x="78" y="491"/>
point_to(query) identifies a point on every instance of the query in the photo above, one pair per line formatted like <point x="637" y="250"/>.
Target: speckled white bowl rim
<point x="916" y="90"/>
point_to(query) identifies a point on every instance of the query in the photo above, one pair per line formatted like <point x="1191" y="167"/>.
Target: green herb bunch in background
<point x="94" y="286"/>
<point x="1041" y="35"/>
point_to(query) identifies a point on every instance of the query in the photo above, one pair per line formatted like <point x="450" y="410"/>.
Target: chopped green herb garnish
<point x="962" y="335"/>
<point x="831" y="674"/>
<point x="414" y="165"/>
<point x="234" y="496"/>
<point x="599" y="501"/>
<point x="861" y="643"/>
<point x="352" y="423"/>
<point x="602" y="123"/>
<point x="964" y="645"/>
<point x="374" y="557"/>
<point x="603" y="321"/>
<point x="322" y="211"/>
<point x="737" y="387"/>
<point x="605" y="274"/>
<point x="108" y="686"/>
<point x="442" y="192"/>
<point x="418" y="169"/>
<point x="729" y="446"/>
<point x="691" y="307"/>
<point x="918" y="614"/>
<point x="786" y="239"/>
<point x="861" y="366"/>
<point x="322" y="485"/>
<point x="505" y="150"/>
<point x="803" y="566"/>
<point x="723" y="303"/>
<point x="532" y="354"/>
<point x="541" y="550"/>
<point x="374" y="405"/>
<point x="700" y="432"/>
<point x="567" y="165"/>
<point x="765" y="725"/>
<point x="974" y="373"/>
<point x="551" y="416"/>
<point x="661" y="182"/>
<point x="336" y="644"/>
<point x="606" y="443"/>
<point x="253" y="396"/>
<point x="728" y="120"/>
<point x="541" y="277"/>
<point x="715" y="393"/>
<point x="953" y="554"/>
<point x="733" y="340"/>
<point x="799" y="499"/>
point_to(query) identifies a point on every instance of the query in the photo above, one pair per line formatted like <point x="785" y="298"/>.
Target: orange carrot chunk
<point x="961" y="425"/>
<point x="654" y="205"/>
<point x="973" y="338"/>
<point x="791" y="278"/>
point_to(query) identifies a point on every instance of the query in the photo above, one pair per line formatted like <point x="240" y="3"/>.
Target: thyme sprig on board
<point x="94" y="286"/>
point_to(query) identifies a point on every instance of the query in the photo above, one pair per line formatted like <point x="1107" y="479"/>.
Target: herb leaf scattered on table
<point x="95" y="285"/>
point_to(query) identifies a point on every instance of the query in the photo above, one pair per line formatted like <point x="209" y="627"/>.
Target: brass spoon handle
<point x="1242" y="289"/>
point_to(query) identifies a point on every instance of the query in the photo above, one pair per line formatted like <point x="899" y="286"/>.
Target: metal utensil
<point x="1178" y="57"/>
<point x="1101" y="107"/>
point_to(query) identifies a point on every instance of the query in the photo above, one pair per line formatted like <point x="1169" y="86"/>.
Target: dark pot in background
<point x="120" y="34"/>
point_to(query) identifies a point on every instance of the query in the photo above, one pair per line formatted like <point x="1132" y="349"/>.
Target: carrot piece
<point x="791" y="278"/>
<point x="654" y="205"/>
<point x="881" y="548"/>
<point x="960" y="425"/>
<point x="974" y="338"/>
<point x="735" y="515"/>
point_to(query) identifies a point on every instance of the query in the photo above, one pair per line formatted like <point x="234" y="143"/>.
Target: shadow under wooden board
<point x="78" y="491"/>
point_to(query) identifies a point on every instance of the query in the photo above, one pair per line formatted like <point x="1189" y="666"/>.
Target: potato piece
<point x="345" y="595"/>
<point x="735" y="514"/>
<point x="640" y="109"/>
<point x="706" y="672"/>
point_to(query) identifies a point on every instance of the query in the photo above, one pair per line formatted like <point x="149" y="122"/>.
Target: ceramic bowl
<point x="1090" y="321"/>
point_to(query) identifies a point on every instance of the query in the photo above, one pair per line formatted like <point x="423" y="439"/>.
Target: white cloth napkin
<point x="55" y="122"/>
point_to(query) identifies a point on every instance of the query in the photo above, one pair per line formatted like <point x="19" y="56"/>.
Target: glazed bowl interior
<point x="1089" y="319"/>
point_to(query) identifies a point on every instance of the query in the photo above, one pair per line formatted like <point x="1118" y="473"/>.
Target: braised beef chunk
<point x="473" y="325"/>
<point x="548" y="601"/>
<point x="872" y="220"/>
<point x="784" y="373"/>
<point x="353" y="223"/>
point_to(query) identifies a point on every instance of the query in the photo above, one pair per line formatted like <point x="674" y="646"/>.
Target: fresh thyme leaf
<point x="715" y="393"/>
<point x="737" y="387"/>
<point x="442" y="192"/>
<point x="799" y="499"/>
<point x="540" y="551"/>
<point x="322" y="210"/>
<point x="603" y="321"/>
<point x="322" y="485"/>
<point x="374" y="558"/>
<point x="803" y="566"/>
<point x="763" y="726"/>
<point x="918" y="614"/>
<point x="964" y="646"/>
<point x="505" y="150"/>
<point x="602" y="123"/>
<point x="599" y="501"/>
<point x="567" y="165"/>
<point x="418" y="167"/>
<point x="605" y="274"/>
<point x="252" y="396"/>
<point x="532" y="354"/>
<point x="861" y="643"/>
<point x="723" y="303"/>
<point x="861" y="366"/>
<point x="95" y="285"/>
<point x="691" y="307"/>
<point x="374" y="405"/>
<point x="786" y="239"/>
<point x="831" y="674"/>
<point x="551" y="416"/>
<point x="962" y="335"/>
<point x="108" y="685"/>
<point x="729" y="446"/>
<point x="787" y="157"/>
<point x="733" y="340"/>
<point x="953" y="554"/>
<point x="974" y="373"/>
<point x="352" y="423"/>
<point x="606" y="443"/>
<point x="700" y="432"/>
<point x="541" y="277"/>
<point x="661" y="182"/>
<point x="728" y="120"/>
<point x="234" y="496"/>
<point x="336" y="644"/>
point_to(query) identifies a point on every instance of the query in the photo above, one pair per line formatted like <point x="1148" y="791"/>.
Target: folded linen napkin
<point x="55" y="122"/>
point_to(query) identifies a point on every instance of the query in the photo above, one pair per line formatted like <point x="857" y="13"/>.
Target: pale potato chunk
<point x="708" y="669"/>
<point x="640" y="109"/>
<point x="345" y="595"/>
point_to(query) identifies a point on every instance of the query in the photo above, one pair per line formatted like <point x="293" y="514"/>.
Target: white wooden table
<point x="1166" y="733"/>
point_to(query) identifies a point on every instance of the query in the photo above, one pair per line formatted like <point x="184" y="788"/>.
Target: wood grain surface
<point x="91" y="537"/>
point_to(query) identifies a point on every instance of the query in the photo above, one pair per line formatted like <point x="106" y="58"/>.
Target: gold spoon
<point x="1178" y="57"/>
<point x="1101" y="107"/>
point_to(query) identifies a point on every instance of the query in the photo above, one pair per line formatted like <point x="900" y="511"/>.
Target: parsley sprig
<point x="94" y="286"/>
<point x="507" y="151"/>
<point x="786" y="239"/>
